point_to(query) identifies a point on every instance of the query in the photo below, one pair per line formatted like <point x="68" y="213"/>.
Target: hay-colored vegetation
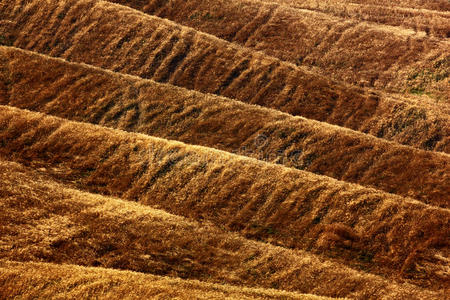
<point x="91" y="95"/>
<point x="45" y="221"/>
<point x="213" y="149"/>
<point x="431" y="20"/>
<point x="360" y="53"/>
<point x="439" y="5"/>
<point x="44" y="280"/>
<point x="355" y="225"/>
<point x="122" y="39"/>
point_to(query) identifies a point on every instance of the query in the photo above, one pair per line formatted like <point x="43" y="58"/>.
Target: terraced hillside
<point x="243" y="149"/>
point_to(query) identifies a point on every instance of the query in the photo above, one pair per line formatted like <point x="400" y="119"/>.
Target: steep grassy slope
<point x="44" y="280"/>
<point x="352" y="51"/>
<point x="426" y="19"/>
<point x="91" y="95"/>
<point x="44" y="221"/>
<point x="380" y="232"/>
<point x="121" y="39"/>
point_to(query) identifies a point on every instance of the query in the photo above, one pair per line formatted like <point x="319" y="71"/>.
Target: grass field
<point x="439" y="5"/>
<point x="357" y="52"/>
<point x="154" y="48"/>
<point x="298" y="210"/>
<point x="242" y="149"/>
<point x="430" y="17"/>
<point x="90" y="230"/>
<point x="136" y="105"/>
<point x="81" y="282"/>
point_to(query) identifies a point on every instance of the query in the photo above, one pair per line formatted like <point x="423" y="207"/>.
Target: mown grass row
<point x="92" y="95"/>
<point x="122" y="39"/>
<point x="380" y="232"/>
<point x="348" y="50"/>
<point x="44" y="221"/>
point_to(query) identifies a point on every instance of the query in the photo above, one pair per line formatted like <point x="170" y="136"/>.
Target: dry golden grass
<point x="100" y="197"/>
<point x="121" y="39"/>
<point x="350" y="50"/>
<point x="439" y="5"/>
<point x="419" y="18"/>
<point x="43" y="221"/>
<point x="86" y="94"/>
<point x="379" y="232"/>
<point x="45" y="281"/>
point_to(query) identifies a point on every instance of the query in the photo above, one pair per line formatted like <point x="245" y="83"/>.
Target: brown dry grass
<point x="419" y="18"/>
<point x="353" y="51"/>
<point x="439" y="5"/>
<point x="122" y="39"/>
<point x="379" y="232"/>
<point x="91" y="95"/>
<point x="45" y="281"/>
<point x="44" y="221"/>
<point x="94" y="211"/>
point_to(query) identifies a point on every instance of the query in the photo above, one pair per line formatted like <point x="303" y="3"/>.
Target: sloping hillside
<point x="242" y="149"/>
<point x="81" y="282"/>
<point x="349" y="50"/>
<point x="430" y="17"/>
<point x="154" y="48"/>
<point x="298" y="210"/>
<point x="162" y="110"/>
<point x="439" y="5"/>
<point x="84" y="229"/>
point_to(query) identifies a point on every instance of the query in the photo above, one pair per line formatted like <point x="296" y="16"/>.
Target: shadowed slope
<point x="44" y="280"/>
<point x="381" y="232"/>
<point x="347" y="50"/>
<point x="92" y="95"/>
<point x="122" y="39"/>
<point x="50" y="223"/>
